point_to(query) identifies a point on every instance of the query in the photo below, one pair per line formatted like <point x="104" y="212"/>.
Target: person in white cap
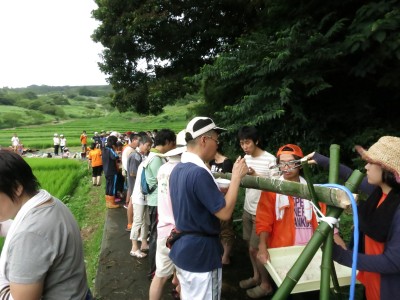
<point x="63" y="143"/>
<point x="198" y="206"/>
<point x="164" y="265"/>
<point x="56" y="143"/>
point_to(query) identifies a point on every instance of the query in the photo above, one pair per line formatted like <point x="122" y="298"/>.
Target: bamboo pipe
<point x="333" y="197"/>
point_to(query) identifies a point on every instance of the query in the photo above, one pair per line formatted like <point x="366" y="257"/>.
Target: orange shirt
<point x="95" y="157"/>
<point x="83" y="139"/>
<point x="282" y="233"/>
<point x="372" y="281"/>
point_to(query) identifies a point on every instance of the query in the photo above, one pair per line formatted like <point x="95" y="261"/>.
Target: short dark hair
<point x="112" y="141"/>
<point x="164" y="136"/>
<point x="249" y="133"/>
<point x="390" y="179"/>
<point x="133" y="136"/>
<point x="145" y="139"/>
<point x="15" y="171"/>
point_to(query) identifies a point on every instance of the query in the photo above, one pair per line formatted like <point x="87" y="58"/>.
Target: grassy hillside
<point x="35" y="129"/>
<point x="40" y="136"/>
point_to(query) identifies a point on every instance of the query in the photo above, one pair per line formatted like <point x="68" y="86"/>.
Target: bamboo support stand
<point x="337" y="200"/>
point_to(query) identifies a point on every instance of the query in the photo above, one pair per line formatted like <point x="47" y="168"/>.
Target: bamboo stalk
<point x="307" y="176"/>
<point x="311" y="248"/>
<point x="327" y="266"/>
<point x="333" y="197"/>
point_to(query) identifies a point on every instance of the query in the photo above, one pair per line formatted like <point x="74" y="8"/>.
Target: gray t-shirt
<point x="134" y="160"/>
<point x="47" y="247"/>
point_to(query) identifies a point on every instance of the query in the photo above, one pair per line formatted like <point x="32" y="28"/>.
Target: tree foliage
<point x="152" y="45"/>
<point x="304" y="72"/>
<point x="313" y="75"/>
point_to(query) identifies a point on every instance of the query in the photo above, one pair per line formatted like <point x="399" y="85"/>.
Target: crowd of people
<point x="185" y="205"/>
<point x="180" y="218"/>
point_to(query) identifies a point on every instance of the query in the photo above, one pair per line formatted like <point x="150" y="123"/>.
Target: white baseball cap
<point x="200" y="125"/>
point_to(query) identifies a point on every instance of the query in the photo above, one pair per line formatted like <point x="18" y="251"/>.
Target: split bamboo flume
<point x="333" y="197"/>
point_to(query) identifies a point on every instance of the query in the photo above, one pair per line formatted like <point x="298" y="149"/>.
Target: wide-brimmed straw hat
<point x="385" y="152"/>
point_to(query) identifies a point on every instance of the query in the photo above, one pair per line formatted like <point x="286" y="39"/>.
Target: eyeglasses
<point x="215" y="140"/>
<point x="290" y="164"/>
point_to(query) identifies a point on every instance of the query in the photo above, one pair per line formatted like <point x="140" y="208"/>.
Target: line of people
<point x="185" y="207"/>
<point x="190" y="201"/>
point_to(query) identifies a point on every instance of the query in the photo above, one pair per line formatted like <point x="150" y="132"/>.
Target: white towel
<point x="282" y="202"/>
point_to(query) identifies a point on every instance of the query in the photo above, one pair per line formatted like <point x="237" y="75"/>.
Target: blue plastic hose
<point x="355" y="235"/>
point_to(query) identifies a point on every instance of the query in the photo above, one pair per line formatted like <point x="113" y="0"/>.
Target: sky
<point x="47" y="42"/>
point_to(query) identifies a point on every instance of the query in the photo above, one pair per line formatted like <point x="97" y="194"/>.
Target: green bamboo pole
<point x="327" y="266"/>
<point x="313" y="245"/>
<point x="327" y="195"/>
<point x="307" y="176"/>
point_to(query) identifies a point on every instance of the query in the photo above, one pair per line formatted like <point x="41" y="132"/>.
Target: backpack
<point x="146" y="190"/>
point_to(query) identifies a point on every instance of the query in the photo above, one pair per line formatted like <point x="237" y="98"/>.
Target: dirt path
<point x="121" y="276"/>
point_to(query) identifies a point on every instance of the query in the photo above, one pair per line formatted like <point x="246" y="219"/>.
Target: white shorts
<point x="200" y="286"/>
<point x="164" y="265"/>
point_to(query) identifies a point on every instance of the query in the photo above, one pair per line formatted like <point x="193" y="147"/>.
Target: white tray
<point x="282" y="260"/>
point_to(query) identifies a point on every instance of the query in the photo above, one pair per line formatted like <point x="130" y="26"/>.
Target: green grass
<point x="41" y="136"/>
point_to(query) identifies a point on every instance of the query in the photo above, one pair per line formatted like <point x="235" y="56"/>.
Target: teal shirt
<point x="151" y="177"/>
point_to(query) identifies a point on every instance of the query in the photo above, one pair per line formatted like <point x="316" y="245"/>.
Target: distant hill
<point x="35" y="105"/>
<point x="43" y="89"/>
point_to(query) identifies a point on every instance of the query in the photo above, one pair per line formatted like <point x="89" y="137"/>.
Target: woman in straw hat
<point x="379" y="221"/>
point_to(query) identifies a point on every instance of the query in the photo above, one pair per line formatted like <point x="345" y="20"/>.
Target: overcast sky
<point x="47" y="42"/>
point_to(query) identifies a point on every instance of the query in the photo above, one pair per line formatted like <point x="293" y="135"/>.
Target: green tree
<point x="11" y="120"/>
<point x="30" y="95"/>
<point x="85" y="91"/>
<point x="152" y="45"/>
<point x="312" y="74"/>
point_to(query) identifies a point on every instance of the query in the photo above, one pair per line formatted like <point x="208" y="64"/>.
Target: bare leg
<point x="227" y="250"/>
<point x="156" y="287"/>
<point x="135" y="246"/>
<point x="129" y="211"/>
<point x="265" y="279"/>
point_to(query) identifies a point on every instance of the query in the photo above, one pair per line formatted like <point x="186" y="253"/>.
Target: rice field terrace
<point x="58" y="176"/>
<point x="36" y="113"/>
<point x="41" y="136"/>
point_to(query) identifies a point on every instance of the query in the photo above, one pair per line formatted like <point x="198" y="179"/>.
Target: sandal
<point x="259" y="292"/>
<point x="137" y="254"/>
<point x="248" y="283"/>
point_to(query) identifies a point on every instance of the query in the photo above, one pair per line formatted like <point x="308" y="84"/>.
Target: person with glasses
<point x="259" y="161"/>
<point x="198" y="206"/>
<point x="283" y="220"/>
